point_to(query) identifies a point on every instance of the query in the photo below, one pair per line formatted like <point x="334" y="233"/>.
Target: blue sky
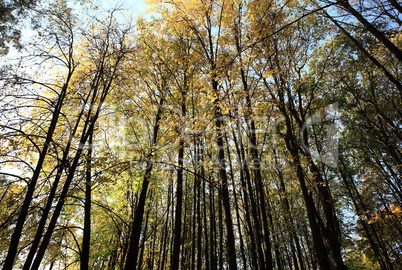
<point x="135" y="6"/>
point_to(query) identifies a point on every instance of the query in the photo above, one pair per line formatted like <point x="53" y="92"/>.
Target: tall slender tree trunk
<point x="132" y="254"/>
<point x="313" y="216"/>
<point x="178" y="212"/>
<point x="376" y="244"/>
<point x="212" y="225"/>
<point x="194" y="222"/>
<point x="219" y="123"/>
<point x="255" y="164"/>
<point x="297" y="259"/>
<point x="265" y="233"/>
<point x="244" y="173"/>
<point x="166" y="232"/>
<point x="99" y="94"/>
<point x="242" y="251"/>
<point x="86" y="239"/>
<point x="366" y="53"/>
<point x="15" y="237"/>
<point x="87" y="132"/>
<point x="221" y="233"/>
<point x="199" y="224"/>
<point x="330" y="231"/>
<point x="141" y="247"/>
<point x="52" y="193"/>
<point x="63" y="196"/>
<point x="201" y="171"/>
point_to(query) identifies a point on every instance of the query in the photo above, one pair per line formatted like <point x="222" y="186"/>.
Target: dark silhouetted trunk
<point x="15" y="237"/>
<point x="373" y="30"/>
<point x="86" y="238"/>
<point x="132" y="254"/>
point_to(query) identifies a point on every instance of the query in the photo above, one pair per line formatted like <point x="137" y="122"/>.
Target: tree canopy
<point x="204" y="134"/>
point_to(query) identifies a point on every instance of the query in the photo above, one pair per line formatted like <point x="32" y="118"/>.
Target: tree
<point x="70" y="66"/>
<point x="109" y="57"/>
<point x="216" y="135"/>
<point x="10" y="14"/>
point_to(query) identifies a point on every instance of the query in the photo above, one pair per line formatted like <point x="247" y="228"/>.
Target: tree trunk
<point x="15" y="237"/>
<point x="52" y="193"/>
<point x="313" y="216"/>
<point x="219" y="123"/>
<point x="132" y="254"/>
<point x="86" y="239"/>
<point x="387" y="74"/>
<point x="373" y="30"/>
<point x="178" y="212"/>
<point x="63" y="196"/>
<point x="379" y="250"/>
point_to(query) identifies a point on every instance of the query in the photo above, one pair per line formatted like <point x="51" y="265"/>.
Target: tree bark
<point x="179" y="202"/>
<point x="86" y="239"/>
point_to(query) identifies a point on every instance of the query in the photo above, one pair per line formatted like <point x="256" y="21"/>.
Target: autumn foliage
<point x="204" y="134"/>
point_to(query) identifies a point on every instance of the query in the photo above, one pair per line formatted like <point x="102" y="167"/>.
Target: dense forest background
<point x="205" y="134"/>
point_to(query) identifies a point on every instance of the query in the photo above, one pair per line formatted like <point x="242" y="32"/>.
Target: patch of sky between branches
<point x="130" y="9"/>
